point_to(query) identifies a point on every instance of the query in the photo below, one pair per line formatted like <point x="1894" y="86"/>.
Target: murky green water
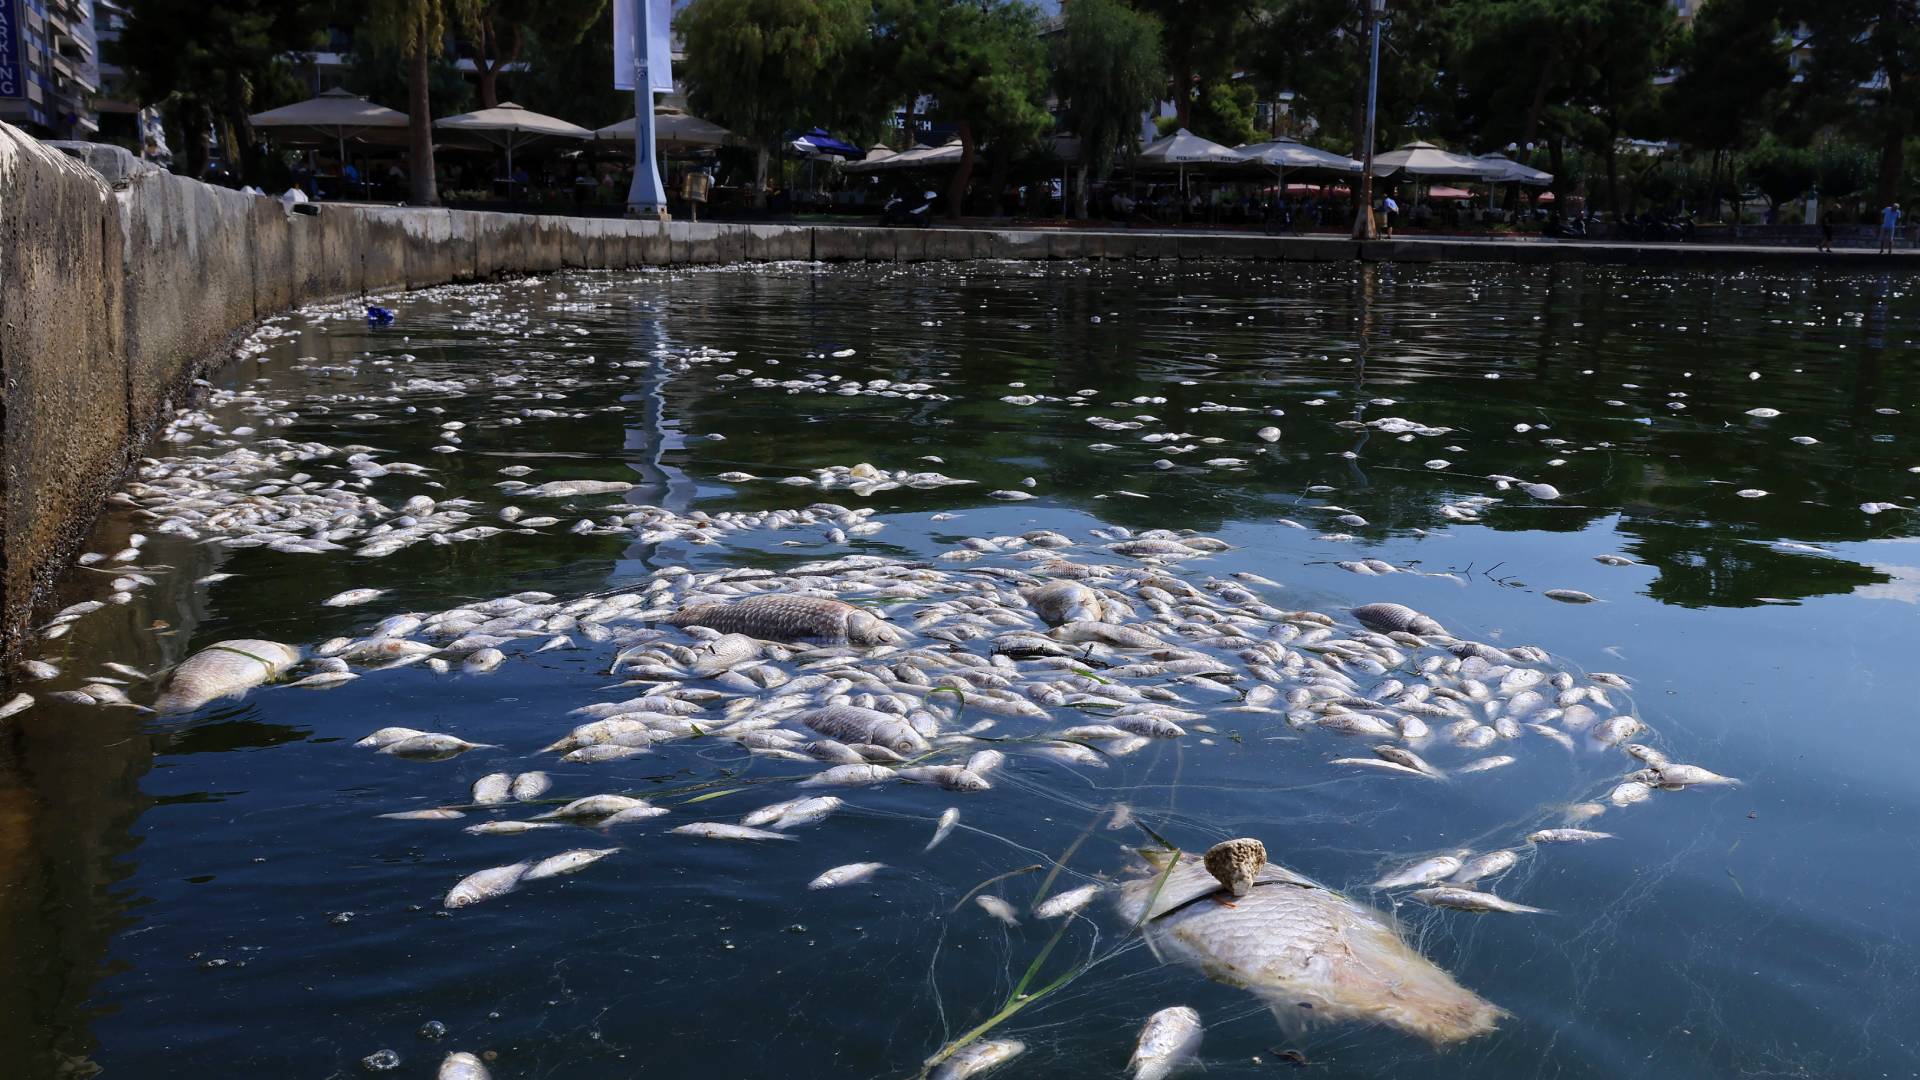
<point x="213" y="895"/>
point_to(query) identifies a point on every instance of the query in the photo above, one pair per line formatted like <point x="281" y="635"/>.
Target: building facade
<point x="49" y="67"/>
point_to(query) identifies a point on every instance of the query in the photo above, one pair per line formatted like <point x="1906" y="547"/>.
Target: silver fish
<point x="567" y="862"/>
<point x="387" y="736"/>
<point x="16" y="705"/>
<point x="224" y="669"/>
<point x="976" y="1058"/>
<point x="1390" y="617"/>
<point x="999" y="909"/>
<point x="850" y="723"/>
<point x="594" y="806"/>
<point x="1483" y="866"/>
<point x="432" y="746"/>
<point x="793" y="812"/>
<point x="1424" y="872"/>
<point x="1672" y="774"/>
<point x="1459" y="899"/>
<point x="948" y="819"/>
<point x="1060" y="905"/>
<point x="487" y="884"/>
<point x="630" y="815"/>
<point x="509" y="828"/>
<point x="1496" y="761"/>
<point x="714" y="830"/>
<point x="437" y="814"/>
<point x="849" y="874"/>
<point x="1169" y="1040"/>
<point x="1063" y="602"/>
<point x="791" y="618"/>
<point x="1566" y="836"/>
<point x="1311" y="954"/>
<point x="461" y="1065"/>
<point x="492" y="789"/>
<point x="848" y="776"/>
<point x="353" y="597"/>
<point x="530" y="785"/>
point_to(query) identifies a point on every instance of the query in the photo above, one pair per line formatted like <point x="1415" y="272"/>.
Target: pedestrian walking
<point x="1393" y="213"/>
<point x="1826" y="230"/>
<point x="1889" y="226"/>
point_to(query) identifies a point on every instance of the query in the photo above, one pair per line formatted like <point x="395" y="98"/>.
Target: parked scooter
<point x="911" y="213"/>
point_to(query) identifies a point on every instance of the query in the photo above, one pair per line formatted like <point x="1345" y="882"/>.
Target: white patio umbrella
<point x="509" y="126"/>
<point x="1504" y="170"/>
<point x="672" y="130"/>
<point x="1426" y="159"/>
<point x="1283" y="154"/>
<point x="1184" y="148"/>
<point x="924" y="157"/>
<point x="876" y="154"/>
<point x="337" y="116"/>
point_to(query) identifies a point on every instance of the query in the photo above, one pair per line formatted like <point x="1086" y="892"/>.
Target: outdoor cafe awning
<point x="336" y="117"/>
<point x="1293" y="154"/>
<point x="1424" y="159"/>
<point x="673" y="130"/>
<point x="1504" y="170"/>
<point x="511" y="127"/>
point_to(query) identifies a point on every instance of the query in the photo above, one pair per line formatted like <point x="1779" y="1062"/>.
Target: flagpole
<point x="647" y="198"/>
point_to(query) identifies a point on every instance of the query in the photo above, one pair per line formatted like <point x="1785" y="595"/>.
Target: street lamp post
<point x="1363" y="224"/>
<point x="647" y="197"/>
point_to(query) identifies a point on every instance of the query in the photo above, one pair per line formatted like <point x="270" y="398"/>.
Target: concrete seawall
<point x="120" y="284"/>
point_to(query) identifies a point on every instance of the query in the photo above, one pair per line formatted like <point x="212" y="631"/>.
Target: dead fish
<point x="1629" y="793"/>
<point x="1310" y="953"/>
<point x="1570" y="596"/>
<point x="566" y="489"/>
<point x="487" y="884"/>
<point x="16" y="705"/>
<point x="1169" y="1040"/>
<point x="791" y="618"/>
<point x="353" y="597"/>
<point x="433" y="746"/>
<point x="850" y="723"/>
<point x="950" y="777"/>
<point x="849" y="874"/>
<point x="224" y="669"/>
<point x="976" y="1058"/>
<point x="723" y="654"/>
<point x="530" y="785"/>
<point x="436" y="814"/>
<point x="567" y="862"/>
<point x="1495" y="761"/>
<point x="1483" y="866"/>
<point x="492" y="789"/>
<point x="1424" y="872"/>
<point x="323" y="679"/>
<point x="1566" y="836"/>
<point x="948" y="819"/>
<point x="483" y="661"/>
<point x="1459" y="899"/>
<point x="594" y="806"/>
<point x="714" y="830"/>
<point x="461" y="1065"/>
<point x="630" y="815"/>
<point x="1060" y="905"/>
<point x="1387" y="618"/>
<point x="1064" y="602"/>
<point x="1675" y="775"/>
<point x="510" y="828"/>
<point x="1382" y="765"/>
<point x="387" y="736"/>
<point x="999" y="909"/>
<point x="598" y="753"/>
<point x="38" y="670"/>
<point x="848" y="776"/>
<point x="773" y="812"/>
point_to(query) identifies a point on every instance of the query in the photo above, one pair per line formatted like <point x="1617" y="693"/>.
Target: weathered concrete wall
<point x="120" y="283"/>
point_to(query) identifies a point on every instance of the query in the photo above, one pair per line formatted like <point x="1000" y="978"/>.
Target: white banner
<point x="659" y="67"/>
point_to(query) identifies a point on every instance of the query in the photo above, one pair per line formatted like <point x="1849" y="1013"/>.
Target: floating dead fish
<point x="487" y="884"/>
<point x="436" y="814"/>
<point x="1390" y="617"/>
<point x="530" y="785"/>
<point x="16" y="705"/>
<point x="1309" y="953"/>
<point x="1168" y="1041"/>
<point x="567" y="862"/>
<point x="1570" y="596"/>
<point x="461" y="1065"/>
<point x="224" y="669"/>
<point x="999" y="909"/>
<point x="1424" y="872"/>
<point x="850" y="723"/>
<point x="387" y="736"/>
<point x="849" y="874"/>
<point x="1459" y="899"/>
<point x="1061" y="905"/>
<point x="791" y="618"/>
<point x="492" y="789"/>
<point x="976" y="1058"/>
<point x="353" y="597"/>
<point x="1484" y="866"/>
<point x="510" y="828"/>
<point x="1566" y="836"/>
<point x="714" y="830"/>
<point x="948" y="819"/>
<point x="594" y="806"/>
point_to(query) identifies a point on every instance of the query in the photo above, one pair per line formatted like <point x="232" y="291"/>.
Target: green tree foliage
<point x="417" y="30"/>
<point x="1617" y="73"/>
<point x="1107" y="71"/>
<point x="1779" y="171"/>
<point x="1223" y="111"/>
<point x="1732" y="75"/>
<point x="574" y="79"/>
<point x="1203" y="42"/>
<point x="501" y="30"/>
<point x="1318" y="49"/>
<point x="985" y="66"/>
<point x="1863" y="73"/>
<point x="759" y="67"/>
<point x="214" y="60"/>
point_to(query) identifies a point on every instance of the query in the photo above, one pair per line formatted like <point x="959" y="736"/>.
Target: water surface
<point x="213" y="895"/>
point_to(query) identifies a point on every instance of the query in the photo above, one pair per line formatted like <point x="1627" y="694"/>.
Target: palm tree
<point x="418" y="30"/>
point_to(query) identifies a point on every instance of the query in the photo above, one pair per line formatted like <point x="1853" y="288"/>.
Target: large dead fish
<point x="791" y="618"/>
<point x="851" y="723"/>
<point x="224" y="669"/>
<point x="1309" y="953"/>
